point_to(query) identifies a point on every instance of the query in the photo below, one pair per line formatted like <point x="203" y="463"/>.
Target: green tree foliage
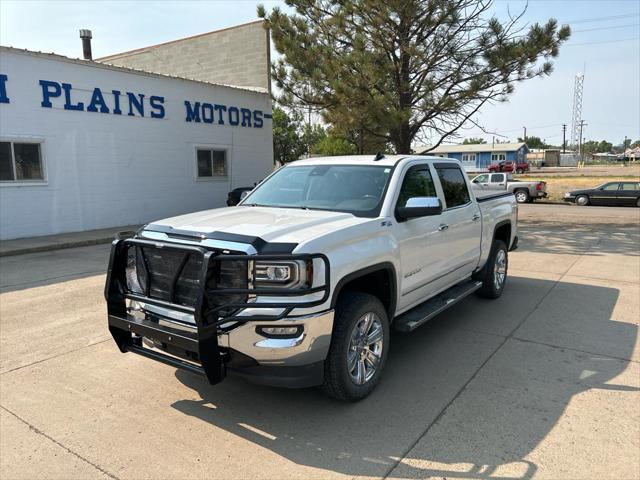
<point x="534" y="142"/>
<point x="473" y="141"/>
<point x="593" y="146"/>
<point x="312" y="135"/>
<point x="332" y="145"/>
<point x="287" y="142"/>
<point x="394" y="68"/>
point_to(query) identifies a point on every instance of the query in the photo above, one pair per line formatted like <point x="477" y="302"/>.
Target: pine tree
<point x="391" y="69"/>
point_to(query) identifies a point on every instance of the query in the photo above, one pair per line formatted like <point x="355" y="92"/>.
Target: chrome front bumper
<point x="311" y="346"/>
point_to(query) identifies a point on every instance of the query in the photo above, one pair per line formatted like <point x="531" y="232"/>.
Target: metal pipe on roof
<point x="85" y="35"/>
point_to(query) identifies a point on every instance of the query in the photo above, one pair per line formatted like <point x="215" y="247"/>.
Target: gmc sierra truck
<point x="300" y="284"/>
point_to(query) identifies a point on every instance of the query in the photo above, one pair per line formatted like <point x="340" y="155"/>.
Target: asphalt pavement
<point x="541" y="383"/>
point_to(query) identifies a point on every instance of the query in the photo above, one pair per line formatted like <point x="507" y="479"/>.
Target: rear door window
<point x="631" y="186"/>
<point x="497" y="178"/>
<point x="454" y="186"/>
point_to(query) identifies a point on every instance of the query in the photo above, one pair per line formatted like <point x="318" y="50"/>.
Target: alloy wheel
<point x="500" y="269"/>
<point x="365" y="348"/>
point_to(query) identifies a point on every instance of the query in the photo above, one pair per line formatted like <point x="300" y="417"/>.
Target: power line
<point x="603" y="19"/>
<point x="599" y="43"/>
<point x="607" y="28"/>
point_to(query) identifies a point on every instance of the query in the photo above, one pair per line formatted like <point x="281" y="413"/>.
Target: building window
<point x="498" y="157"/>
<point x="469" y="157"/>
<point x="20" y="162"/>
<point x="211" y="163"/>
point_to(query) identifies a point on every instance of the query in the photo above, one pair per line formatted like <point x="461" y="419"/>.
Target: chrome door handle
<point x="475" y="217"/>
<point x="443" y="227"/>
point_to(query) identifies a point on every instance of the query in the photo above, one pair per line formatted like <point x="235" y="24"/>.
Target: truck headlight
<point x="136" y="272"/>
<point x="285" y="274"/>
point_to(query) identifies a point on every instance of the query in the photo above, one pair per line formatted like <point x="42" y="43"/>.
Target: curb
<point x="57" y="246"/>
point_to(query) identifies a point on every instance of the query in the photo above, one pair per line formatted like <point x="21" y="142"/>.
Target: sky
<point x="605" y="44"/>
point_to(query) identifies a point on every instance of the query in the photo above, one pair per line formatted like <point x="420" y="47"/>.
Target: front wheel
<point x="582" y="200"/>
<point x="520" y="171"/>
<point x="494" y="274"/>
<point x="359" y="346"/>
<point x="638" y="202"/>
<point x="522" y="196"/>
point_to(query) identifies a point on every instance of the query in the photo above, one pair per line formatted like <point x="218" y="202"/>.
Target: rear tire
<point x="494" y="274"/>
<point x="349" y="341"/>
<point x="582" y="200"/>
<point x="520" y="171"/>
<point x="522" y="196"/>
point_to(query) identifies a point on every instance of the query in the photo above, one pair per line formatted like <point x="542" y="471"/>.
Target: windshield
<point x="341" y="188"/>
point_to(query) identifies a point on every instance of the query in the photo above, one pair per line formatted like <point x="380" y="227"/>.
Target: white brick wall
<point x="107" y="170"/>
<point x="233" y="56"/>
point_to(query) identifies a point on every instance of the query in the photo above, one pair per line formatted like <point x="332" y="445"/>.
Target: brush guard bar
<point x="200" y="345"/>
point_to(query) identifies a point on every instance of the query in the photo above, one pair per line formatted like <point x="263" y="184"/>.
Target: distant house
<point x="482" y="154"/>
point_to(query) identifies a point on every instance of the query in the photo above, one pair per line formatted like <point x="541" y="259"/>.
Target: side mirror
<point x="420" y="207"/>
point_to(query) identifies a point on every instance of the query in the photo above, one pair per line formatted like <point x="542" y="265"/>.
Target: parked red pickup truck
<point x="505" y="166"/>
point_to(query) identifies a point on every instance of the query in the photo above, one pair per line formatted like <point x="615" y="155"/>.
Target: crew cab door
<point x="460" y="222"/>
<point x="422" y="244"/>
<point x="498" y="181"/>
<point x="482" y="181"/>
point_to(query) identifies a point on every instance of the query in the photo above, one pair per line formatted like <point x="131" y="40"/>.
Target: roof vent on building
<point x="85" y="35"/>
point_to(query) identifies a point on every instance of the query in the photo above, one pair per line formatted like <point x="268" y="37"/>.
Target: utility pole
<point x="564" y="138"/>
<point x="525" y="134"/>
<point x="624" y="145"/>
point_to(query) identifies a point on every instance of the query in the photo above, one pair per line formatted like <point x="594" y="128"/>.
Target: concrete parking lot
<point x="542" y="383"/>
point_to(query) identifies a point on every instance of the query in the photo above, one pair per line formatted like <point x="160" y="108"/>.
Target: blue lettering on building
<point x="193" y="111"/>
<point x="116" y="102"/>
<point x="49" y="90"/>
<point x="97" y="100"/>
<point x="63" y="95"/>
<point x="157" y="105"/>
<point x="3" y="89"/>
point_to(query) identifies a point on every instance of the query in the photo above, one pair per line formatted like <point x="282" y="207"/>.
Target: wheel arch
<point x="502" y="231"/>
<point x="379" y="280"/>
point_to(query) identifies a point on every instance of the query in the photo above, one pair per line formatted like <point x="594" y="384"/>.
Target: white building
<point x="84" y="145"/>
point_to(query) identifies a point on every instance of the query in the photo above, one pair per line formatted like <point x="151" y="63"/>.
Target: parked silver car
<point x="525" y="192"/>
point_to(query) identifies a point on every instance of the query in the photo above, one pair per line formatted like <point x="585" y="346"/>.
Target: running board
<point x="426" y="311"/>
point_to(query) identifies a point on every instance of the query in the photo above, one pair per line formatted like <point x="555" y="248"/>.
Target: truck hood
<point x="287" y="225"/>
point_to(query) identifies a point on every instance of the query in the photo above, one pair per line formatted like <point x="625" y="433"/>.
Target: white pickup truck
<point x="300" y="284"/>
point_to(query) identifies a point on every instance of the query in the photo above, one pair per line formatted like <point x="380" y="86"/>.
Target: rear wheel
<point x="520" y="170"/>
<point x="494" y="274"/>
<point x="582" y="200"/>
<point x="522" y="196"/>
<point x="359" y="346"/>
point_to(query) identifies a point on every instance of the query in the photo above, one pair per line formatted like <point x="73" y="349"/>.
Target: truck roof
<point x="386" y="160"/>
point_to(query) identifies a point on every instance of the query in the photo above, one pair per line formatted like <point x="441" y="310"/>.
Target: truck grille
<point x="173" y="276"/>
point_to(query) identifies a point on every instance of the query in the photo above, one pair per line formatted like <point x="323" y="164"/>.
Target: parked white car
<point x="300" y="284"/>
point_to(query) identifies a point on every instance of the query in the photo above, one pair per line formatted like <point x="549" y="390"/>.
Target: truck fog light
<point x="280" y="332"/>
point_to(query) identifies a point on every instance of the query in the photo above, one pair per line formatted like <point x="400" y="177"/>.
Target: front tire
<point x="520" y="171"/>
<point x="494" y="273"/>
<point x="582" y="200"/>
<point x="638" y="202"/>
<point x="522" y="196"/>
<point x="359" y="347"/>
